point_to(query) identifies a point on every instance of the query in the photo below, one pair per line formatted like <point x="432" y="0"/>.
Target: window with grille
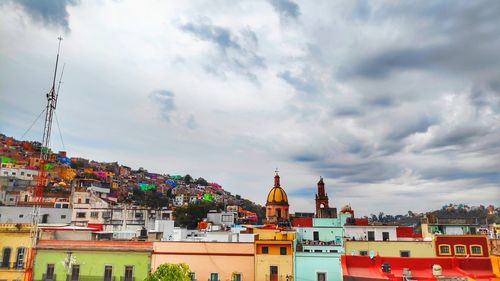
<point x="214" y="276"/>
<point x="444" y="249"/>
<point x="94" y="215"/>
<point x="282" y="251"/>
<point x="265" y="250"/>
<point x="20" y="257"/>
<point x="476" y="250"/>
<point x="460" y="250"/>
<point x="129" y="272"/>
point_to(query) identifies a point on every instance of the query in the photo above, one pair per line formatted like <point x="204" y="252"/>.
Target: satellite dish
<point x="372" y="254"/>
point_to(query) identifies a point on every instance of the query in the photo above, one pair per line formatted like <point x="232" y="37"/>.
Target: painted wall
<point x="204" y="258"/>
<point x="91" y="263"/>
<point x="391" y="248"/>
<point x="263" y="263"/>
<point x="23" y="215"/>
<point x="466" y="241"/>
<point x="307" y="266"/>
<point x="13" y="238"/>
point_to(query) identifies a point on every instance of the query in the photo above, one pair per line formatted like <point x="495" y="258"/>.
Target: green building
<point x="73" y="260"/>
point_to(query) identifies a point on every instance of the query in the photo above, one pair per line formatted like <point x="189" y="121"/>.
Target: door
<point x="371" y="235"/>
<point x="385" y="236"/>
<point x="108" y="273"/>
<point x="273" y="273"/>
<point x="316" y="235"/>
<point x="75" y="272"/>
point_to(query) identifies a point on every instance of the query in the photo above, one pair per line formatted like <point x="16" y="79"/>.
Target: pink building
<point x="208" y="260"/>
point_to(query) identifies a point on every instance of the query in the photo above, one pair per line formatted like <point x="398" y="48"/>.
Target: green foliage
<point x="190" y="215"/>
<point x="188" y="179"/>
<point x="170" y="272"/>
<point x="201" y="181"/>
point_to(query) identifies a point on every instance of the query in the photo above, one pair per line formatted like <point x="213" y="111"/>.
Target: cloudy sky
<point x="395" y="104"/>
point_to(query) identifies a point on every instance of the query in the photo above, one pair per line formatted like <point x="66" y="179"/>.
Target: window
<point x="75" y="272"/>
<point x="236" y="277"/>
<point x="21" y="216"/>
<point x="214" y="276"/>
<point x="94" y="215"/>
<point x="282" y="251"/>
<point x="5" y="257"/>
<point x="87" y="200"/>
<point x="363" y="253"/>
<point x="334" y="251"/>
<point x="307" y="250"/>
<point x="81" y="215"/>
<point x="460" y="250"/>
<point x="265" y="250"/>
<point x="321" y="276"/>
<point x="108" y="273"/>
<point x="444" y="250"/>
<point x="371" y="235"/>
<point x="49" y="272"/>
<point x="476" y="250"/>
<point x="192" y="276"/>
<point x="385" y="236"/>
<point x="22" y="173"/>
<point x="318" y="251"/>
<point x="316" y="235"/>
<point x="129" y="273"/>
<point x="404" y="254"/>
<point x="20" y="257"/>
<point x="63" y="216"/>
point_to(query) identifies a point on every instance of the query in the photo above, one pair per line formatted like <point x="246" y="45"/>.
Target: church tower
<point x="322" y="201"/>
<point x="277" y="203"/>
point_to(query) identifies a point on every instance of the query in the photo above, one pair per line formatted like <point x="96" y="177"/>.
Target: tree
<point x="189" y="216"/>
<point x="170" y="272"/>
<point x="201" y="181"/>
<point x="188" y="179"/>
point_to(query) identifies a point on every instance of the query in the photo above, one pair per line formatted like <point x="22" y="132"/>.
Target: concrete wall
<point x="204" y="258"/>
<point x="10" y="214"/>
<point x="391" y="248"/>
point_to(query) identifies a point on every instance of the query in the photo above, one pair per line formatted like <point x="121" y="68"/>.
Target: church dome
<point x="277" y="195"/>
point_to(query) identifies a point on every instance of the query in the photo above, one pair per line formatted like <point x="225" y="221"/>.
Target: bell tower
<point x="321" y="200"/>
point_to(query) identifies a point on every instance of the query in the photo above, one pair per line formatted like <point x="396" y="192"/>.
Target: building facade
<point x="14" y="246"/>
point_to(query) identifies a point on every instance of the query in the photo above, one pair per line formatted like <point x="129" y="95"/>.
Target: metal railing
<point x="53" y="277"/>
<point x="12" y="265"/>
<point x="275" y="277"/>
<point x="91" y="278"/>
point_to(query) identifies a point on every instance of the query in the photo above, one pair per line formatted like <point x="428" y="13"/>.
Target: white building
<point x="370" y="232"/>
<point x="19" y="173"/>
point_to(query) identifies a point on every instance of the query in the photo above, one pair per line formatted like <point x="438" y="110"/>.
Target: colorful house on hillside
<point x="274" y="254"/>
<point x="92" y="260"/>
<point x="14" y="246"/>
<point x="211" y="261"/>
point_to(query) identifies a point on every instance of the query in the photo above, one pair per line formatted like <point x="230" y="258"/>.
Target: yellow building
<point x="14" y="245"/>
<point x="274" y="255"/>
<point x="495" y="264"/>
<point x="391" y="248"/>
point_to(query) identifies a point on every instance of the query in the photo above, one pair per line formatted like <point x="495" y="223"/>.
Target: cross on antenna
<point x="276" y="171"/>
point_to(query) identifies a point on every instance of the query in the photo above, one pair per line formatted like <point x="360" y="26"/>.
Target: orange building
<point x="211" y="261"/>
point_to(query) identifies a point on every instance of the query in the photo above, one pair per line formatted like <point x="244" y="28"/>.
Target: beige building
<point x="390" y="248"/>
<point x="211" y="261"/>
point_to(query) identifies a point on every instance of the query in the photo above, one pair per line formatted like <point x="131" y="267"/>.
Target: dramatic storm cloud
<point x="395" y="104"/>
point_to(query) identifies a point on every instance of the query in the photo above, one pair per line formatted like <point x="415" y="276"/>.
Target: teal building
<point x="318" y="249"/>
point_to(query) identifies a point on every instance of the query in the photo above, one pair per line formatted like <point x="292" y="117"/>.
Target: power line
<point x="59" y="129"/>
<point x="32" y="124"/>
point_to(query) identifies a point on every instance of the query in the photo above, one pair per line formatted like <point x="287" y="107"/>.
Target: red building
<point x="461" y="245"/>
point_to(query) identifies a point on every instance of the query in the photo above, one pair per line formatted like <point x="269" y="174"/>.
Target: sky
<point x="396" y="104"/>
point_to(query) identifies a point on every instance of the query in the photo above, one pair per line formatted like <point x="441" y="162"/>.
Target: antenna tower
<point x="41" y="180"/>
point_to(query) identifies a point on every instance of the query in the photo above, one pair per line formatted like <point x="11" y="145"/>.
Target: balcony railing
<point x="48" y="278"/>
<point x="12" y="265"/>
<point x="275" y="277"/>
<point x="89" y="278"/>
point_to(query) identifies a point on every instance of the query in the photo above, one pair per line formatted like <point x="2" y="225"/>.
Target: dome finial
<point x="276" y="178"/>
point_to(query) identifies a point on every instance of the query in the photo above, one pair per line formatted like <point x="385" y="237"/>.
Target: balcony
<point x="275" y="277"/>
<point x="53" y="277"/>
<point x="11" y="265"/>
<point x="88" y="278"/>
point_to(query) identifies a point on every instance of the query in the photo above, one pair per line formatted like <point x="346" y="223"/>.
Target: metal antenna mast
<point x="42" y="175"/>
